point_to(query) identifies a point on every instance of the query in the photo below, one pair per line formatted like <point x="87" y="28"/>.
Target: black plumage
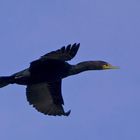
<point x="44" y="78"/>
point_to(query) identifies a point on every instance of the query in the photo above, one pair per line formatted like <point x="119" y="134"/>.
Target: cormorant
<point x="44" y="77"/>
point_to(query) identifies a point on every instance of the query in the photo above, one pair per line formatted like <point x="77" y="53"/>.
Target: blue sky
<point x="105" y="104"/>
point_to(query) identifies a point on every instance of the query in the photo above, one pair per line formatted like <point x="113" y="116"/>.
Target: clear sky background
<point x="105" y="104"/>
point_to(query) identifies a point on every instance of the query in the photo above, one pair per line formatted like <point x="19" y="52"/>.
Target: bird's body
<point x="50" y="70"/>
<point x="44" y="77"/>
<point x="43" y="71"/>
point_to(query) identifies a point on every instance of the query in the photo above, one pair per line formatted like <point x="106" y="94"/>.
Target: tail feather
<point x="4" y="81"/>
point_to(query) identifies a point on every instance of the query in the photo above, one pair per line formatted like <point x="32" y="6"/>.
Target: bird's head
<point x="90" y="65"/>
<point x="102" y="65"/>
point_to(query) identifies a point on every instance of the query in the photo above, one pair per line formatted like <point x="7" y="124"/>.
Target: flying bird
<point x="44" y="77"/>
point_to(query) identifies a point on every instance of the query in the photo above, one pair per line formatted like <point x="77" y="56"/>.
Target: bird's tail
<point x="5" y="80"/>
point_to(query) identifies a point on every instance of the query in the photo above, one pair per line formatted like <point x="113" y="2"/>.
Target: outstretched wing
<point x="47" y="98"/>
<point x="64" y="54"/>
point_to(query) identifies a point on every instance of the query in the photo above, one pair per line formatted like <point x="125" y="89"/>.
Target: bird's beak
<point x="110" y="67"/>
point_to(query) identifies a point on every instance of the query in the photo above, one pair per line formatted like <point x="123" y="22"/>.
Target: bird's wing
<point x="47" y="98"/>
<point x="64" y="54"/>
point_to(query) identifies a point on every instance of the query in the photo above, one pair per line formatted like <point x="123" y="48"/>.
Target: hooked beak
<point x="105" y="67"/>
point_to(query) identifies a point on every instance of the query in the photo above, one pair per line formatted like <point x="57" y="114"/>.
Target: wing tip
<point x="67" y="113"/>
<point x="59" y="114"/>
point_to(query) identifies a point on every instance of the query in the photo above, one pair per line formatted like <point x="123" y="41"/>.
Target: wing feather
<point x="64" y="54"/>
<point x="46" y="98"/>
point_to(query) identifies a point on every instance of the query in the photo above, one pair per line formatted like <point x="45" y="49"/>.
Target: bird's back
<point x="48" y="70"/>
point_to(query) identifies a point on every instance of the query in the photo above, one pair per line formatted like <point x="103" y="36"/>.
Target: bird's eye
<point x="106" y="66"/>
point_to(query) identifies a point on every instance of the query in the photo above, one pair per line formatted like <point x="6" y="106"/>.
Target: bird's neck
<point x="83" y="66"/>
